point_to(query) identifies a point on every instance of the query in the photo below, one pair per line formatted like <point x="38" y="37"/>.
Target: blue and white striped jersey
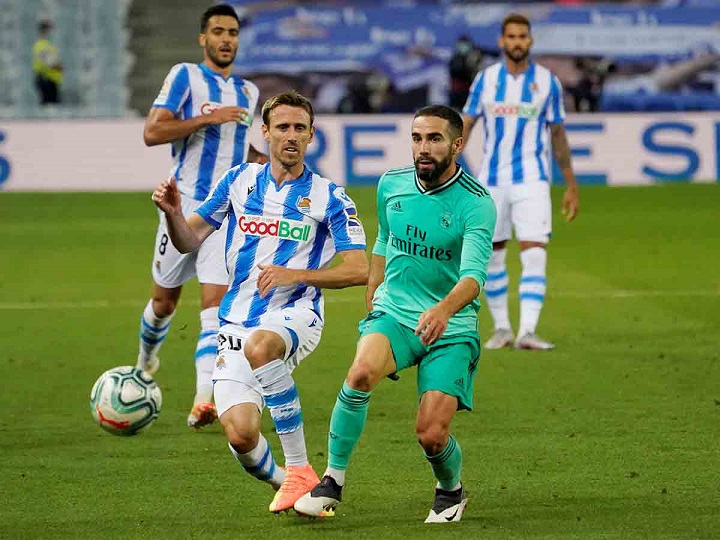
<point x="516" y="113"/>
<point x="301" y="224"/>
<point x="200" y="159"/>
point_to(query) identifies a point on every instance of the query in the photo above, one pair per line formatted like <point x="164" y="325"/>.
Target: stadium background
<point x="613" y="435"/>
<point x="647" y="74"/>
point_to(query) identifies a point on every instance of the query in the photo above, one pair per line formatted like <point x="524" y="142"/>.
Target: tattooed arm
<point x="561" y="151"/>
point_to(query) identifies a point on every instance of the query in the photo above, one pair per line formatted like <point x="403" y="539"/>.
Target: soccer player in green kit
<point x="428" y="266"/>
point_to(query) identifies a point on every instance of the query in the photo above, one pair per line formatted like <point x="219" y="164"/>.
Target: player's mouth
<point x="225" y="49"/>
<point x="291" y="149"/>
<point x="426" y="163"/>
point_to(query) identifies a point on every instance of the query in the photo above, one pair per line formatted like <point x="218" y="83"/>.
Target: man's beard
<point x="212" y="54"/>
<point x="517" y="56"/>
<point x="431" y="176"/>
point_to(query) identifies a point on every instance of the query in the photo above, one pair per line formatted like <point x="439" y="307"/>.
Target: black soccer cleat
<point x="322" y="499"/>
<point x="448" y="506"/>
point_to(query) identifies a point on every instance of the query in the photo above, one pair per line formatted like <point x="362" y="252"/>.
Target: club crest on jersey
<point x="446" y="220"/>
<point x="286" y="229"/>
<point x="303" y="204"/>
<point x="209" y="107"/>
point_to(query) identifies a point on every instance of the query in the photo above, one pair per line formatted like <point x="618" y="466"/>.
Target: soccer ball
<point x="125" y="400"/>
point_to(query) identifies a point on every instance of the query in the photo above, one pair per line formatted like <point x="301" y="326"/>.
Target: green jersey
<point x="431" y="239"/>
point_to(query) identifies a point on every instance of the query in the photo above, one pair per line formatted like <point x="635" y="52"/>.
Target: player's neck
<point x="516" y="68"/>
<point x="224" y="72"/>
<point x="283" y="174"/>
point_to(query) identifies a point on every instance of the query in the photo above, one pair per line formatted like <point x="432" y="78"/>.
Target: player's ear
<point x="265" y="133"/>
<point x="202" y="40"/>
<point x="500" y="42"/>
<point x="458" y="145"/>
<point x="312" y="134"/>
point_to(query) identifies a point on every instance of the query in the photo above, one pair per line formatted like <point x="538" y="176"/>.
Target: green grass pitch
<point x="615" y="435"/>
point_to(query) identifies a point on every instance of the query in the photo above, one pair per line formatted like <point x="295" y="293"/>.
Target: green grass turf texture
<point x="613" y="435"/>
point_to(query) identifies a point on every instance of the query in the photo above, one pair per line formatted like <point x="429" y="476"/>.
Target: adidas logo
<point x="460" y="381"/>
<point x="396" y="207"/>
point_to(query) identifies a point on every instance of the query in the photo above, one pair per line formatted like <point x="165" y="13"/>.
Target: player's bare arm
<point x="185" y="234"/>
<point x="561" y="151"/>
<point x="468" y="124"/>
<point x="352" y="270"/>
<point x="162" y="127"/>
<point x="433" y="322"/>
<point x="376" y="277"/>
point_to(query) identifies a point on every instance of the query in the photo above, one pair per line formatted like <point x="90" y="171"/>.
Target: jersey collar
<point x="441" y="187"/>
<point x="212" y="73"/>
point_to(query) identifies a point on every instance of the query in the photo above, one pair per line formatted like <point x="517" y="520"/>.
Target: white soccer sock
<point x="282" y="399"/>
<point x="337" y="475"/>
<point x="206" y="354"/>
<point x="532" y="288"/>
<point x="496" y="287"/>
<point x="259" y="462"/>
<point x="153" y="331"/>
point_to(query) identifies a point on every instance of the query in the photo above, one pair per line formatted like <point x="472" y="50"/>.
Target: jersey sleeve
<point x="175" y="89"/>
<point x="473" y="105"/>
<point x="217" y="204"/>
<point x="477" y="239"/>
<point x="381" y="241"/>
<point x="556" y="108"/>
<point x="342" y="220"/>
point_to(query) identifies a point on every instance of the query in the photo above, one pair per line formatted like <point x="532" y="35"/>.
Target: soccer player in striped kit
<point x="204" y="111"/>
<point x="285" y="225"/>
<point x="521" y="105"/>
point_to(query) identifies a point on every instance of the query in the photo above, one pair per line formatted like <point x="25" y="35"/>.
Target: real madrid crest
<point x="446" y="220"/>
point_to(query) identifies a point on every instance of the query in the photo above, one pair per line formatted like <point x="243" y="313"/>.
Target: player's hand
<point x="570" y="203"/>
<point x="272" y="276"/>
<point x="261" y="158"/>
<point x="232" y="113"/>
<point x="432" y="324"/>
<point x="167" y="197"/>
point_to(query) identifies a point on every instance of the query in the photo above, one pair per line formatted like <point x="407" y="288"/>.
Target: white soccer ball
<point x="125" y="400"/>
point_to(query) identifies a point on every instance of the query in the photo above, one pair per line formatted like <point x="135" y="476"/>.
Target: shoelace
<point x="291" y="483"/>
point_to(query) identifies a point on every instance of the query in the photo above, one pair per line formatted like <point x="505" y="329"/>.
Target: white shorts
<point x="526" y="208"/>
<point x="234" y="382"/>
<point x="172" y="269"/>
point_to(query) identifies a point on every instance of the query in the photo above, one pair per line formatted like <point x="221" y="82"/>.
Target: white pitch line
<point x="597" y="294"/>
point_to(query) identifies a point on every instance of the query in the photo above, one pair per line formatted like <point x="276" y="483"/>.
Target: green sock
<point x="346" y="425"/>
<point x="447" y="464"/>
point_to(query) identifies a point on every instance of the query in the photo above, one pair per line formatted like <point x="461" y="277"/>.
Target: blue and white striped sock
<point x="206" y="354"/>
<point x="153" y="331"/>
<point x="281" y="397"/>
<point x="260" y="463"/>
<point x="496" y="289"/>
<point x="532" y="288"/>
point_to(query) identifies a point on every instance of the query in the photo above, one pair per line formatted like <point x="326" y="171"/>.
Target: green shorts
<point x="448" y="365"/>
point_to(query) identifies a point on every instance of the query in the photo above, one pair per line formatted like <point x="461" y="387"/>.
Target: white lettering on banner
<point x="616" y="149"/>
<point x="580" y="39"/>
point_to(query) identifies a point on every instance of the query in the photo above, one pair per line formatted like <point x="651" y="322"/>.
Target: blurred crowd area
<point x="650" y="56"/>
<point x="107" y="58"/>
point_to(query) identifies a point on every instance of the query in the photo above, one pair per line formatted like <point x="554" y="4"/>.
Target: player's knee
<point x="164" y="307"/>
<point x="363" y="376"/>
<point x="432" y="437"/>
<point x="242" y="440"/>
<point x="260" y="351"/>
